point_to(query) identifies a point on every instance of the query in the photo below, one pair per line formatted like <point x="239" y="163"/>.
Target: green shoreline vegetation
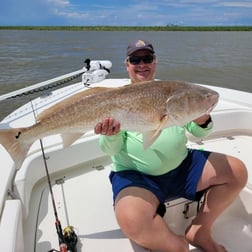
<point x="130" y="28"/>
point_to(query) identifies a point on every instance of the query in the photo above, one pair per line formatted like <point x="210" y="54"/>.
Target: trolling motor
<point x="95" y="71"/>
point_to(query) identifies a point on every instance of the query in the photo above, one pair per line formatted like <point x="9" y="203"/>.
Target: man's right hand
<point x="108" y="127"/>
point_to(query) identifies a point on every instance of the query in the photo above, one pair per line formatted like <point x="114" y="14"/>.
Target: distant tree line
<point x="131" y="28"/>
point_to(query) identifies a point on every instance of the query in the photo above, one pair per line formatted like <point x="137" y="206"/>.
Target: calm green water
<point x="213" y="58"/>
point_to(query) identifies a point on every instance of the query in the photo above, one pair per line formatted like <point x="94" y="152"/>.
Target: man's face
<point x="141" y="69"/>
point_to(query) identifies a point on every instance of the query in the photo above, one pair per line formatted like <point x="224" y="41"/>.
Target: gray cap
<point x="139" y="45"/>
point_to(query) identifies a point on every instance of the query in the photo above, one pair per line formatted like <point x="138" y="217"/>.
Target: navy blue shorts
<point x="180" y="182"/>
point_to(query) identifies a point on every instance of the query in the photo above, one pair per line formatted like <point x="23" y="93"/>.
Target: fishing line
<point x="67" y="238"/>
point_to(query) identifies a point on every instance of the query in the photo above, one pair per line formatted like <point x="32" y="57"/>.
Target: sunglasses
<point x="135" y="60"/>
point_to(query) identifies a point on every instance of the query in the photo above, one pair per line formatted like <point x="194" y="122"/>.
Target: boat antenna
<point x="67" y="238"/>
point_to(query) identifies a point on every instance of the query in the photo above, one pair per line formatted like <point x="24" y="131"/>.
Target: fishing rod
<point x="67" y="237"/>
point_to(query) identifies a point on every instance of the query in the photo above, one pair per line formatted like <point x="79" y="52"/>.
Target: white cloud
<point x="59" y="3"/>
<point x="71" y="15"/>
<point x="236" y="4"/>
<point x="65" y="9"/>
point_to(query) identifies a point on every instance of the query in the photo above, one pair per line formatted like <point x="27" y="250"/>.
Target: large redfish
<point x="147" y="107"/>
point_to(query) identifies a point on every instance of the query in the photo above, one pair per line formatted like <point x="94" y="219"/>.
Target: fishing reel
<point x="67" y="239"/>
<point x="70" y="238"/>
<point x="95" y="71"/>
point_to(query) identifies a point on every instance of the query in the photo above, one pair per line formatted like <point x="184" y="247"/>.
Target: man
<point x="181" y="173"/>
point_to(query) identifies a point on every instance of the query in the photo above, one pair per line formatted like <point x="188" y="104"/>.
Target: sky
<point x="125" y="13"/>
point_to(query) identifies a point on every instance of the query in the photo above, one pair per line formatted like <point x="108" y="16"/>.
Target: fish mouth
<point x="211" y="108"/>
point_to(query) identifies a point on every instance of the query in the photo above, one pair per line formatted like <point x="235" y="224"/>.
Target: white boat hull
<point x="82" y="191"/>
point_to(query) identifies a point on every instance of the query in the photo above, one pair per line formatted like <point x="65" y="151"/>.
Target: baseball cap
<point x="139" y="45"/>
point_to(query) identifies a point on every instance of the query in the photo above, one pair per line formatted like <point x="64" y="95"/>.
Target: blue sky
<point x="126" y="13"/>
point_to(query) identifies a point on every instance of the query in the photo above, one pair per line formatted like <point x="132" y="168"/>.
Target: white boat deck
<point x="82" y="190"/>
<point x="84" y="200"/>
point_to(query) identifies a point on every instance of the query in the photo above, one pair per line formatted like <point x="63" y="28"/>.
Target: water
<point x="213" y="58"/>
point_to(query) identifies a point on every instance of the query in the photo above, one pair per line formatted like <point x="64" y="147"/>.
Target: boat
<point x="64" y="193"/>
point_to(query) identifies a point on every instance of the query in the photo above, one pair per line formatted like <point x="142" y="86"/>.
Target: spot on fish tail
<point x="18" y="135"/>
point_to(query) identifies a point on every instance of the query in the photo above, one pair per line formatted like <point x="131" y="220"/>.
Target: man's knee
<point x="133" y="213"/>
<point x="239" y="172"/>
<point x="130" y="221"/>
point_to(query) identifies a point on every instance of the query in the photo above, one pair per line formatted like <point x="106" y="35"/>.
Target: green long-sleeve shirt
<point x="165" y="154"/>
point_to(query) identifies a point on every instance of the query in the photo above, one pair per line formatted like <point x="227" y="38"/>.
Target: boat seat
<point x="6" y="176"/>
<point x="12" y="224"/>
<point x="189" y="207"/>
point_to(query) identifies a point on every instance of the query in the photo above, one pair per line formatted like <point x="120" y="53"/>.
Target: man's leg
<point x="224" y="176"/>
<point x="135" y="210"/>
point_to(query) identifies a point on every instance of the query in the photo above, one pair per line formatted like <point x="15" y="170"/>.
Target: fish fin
<point x="150" y="137"/>
<point x="69" y="138"/>
<point x="161" y="125"/>
<point x="17" y="149"/>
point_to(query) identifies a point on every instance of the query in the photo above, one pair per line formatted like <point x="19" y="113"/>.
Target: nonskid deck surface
<point x="84" y="200"/>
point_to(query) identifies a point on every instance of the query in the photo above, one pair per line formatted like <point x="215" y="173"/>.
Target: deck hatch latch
<point x="98" y="167"/>
<point x="60" y="181"/>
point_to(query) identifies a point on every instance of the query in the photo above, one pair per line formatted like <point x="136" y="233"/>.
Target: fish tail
<point x="17" y="149"/>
